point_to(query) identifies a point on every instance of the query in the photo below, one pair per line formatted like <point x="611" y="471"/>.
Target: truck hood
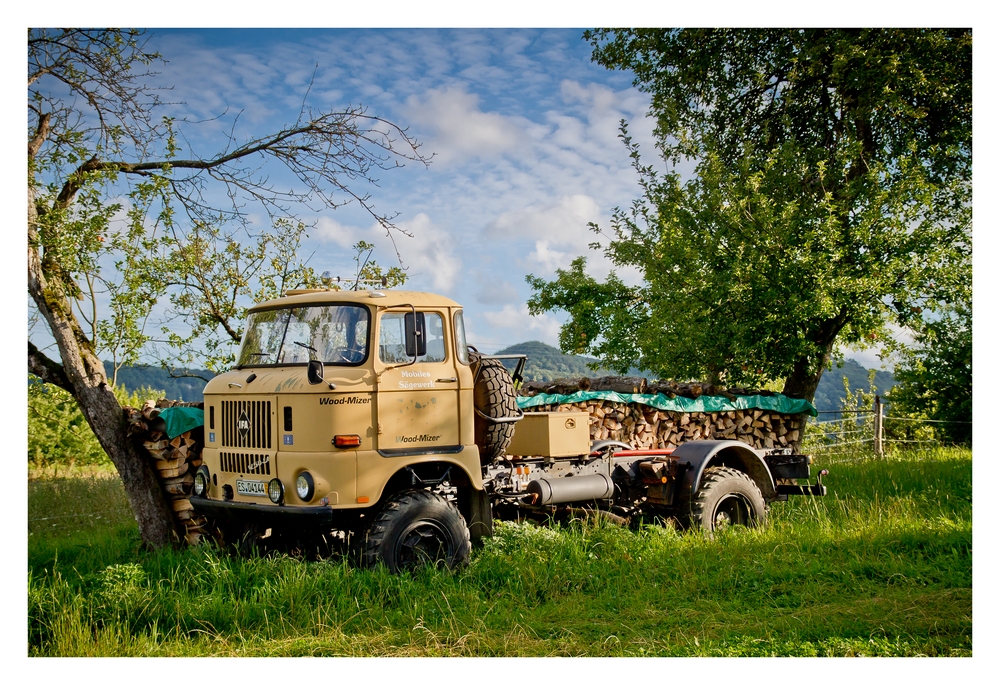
<point x="289" y="379"/>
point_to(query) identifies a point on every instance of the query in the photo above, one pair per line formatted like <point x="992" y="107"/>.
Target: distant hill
<point x="184" y="389"/>
<point x="830" y="393"/>
<point x="546" y="363"/>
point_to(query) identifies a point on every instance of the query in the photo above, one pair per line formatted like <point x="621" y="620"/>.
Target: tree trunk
<point x="805" y="376"/>
<point x="807" y="372"/>
<point x="84" y="377"/>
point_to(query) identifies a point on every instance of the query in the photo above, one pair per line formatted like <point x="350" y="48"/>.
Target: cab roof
<point x="381" y="298"/>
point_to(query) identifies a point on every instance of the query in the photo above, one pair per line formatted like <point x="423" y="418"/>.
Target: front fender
<point x="697" y="455"/>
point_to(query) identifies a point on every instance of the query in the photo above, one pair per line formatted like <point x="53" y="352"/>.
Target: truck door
<point x="417" y="400"/>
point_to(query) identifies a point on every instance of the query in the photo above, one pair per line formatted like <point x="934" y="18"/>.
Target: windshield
<point x="333" y="334"/>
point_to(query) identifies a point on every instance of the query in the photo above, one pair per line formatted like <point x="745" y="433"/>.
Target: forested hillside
<point x="546" y="362"/>
<point x="830" y="392"/>
<point x="187" y="388"/>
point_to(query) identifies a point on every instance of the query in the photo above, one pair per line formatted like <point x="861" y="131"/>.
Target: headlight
<point x="304" y="486"/>
<point x="201" y="481"/>
<point x="275" y="491"/>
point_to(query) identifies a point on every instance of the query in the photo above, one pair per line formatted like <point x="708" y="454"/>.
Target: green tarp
<point x="775" y="403"/>
<point x="182" y="419"/>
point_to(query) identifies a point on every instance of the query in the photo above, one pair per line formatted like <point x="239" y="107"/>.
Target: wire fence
<point x="851" y="430"/>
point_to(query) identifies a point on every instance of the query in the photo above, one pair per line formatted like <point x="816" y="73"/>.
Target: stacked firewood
<point x="175" y="460"/>
<point x="568" y="386"/>
<point x="646" y="427"/>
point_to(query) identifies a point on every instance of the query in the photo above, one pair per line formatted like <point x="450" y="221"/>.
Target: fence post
<point x="878" y="427"/>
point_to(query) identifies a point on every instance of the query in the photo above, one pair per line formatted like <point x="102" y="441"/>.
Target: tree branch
<point x="41" y="133"/>
<point x="186" y="373"/>
<point x="48" y="370"/>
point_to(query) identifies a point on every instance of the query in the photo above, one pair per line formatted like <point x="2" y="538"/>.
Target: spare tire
<point x="494" y="398"/>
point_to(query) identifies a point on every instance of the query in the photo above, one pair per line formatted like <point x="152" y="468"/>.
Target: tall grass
<point x="880" y="567"/>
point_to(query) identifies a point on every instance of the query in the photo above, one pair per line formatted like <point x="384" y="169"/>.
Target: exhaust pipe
<point x="571" y="489"/>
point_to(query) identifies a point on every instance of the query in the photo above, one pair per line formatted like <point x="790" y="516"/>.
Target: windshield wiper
<point x="308" y="347"/>
<point x="254" y="354"/>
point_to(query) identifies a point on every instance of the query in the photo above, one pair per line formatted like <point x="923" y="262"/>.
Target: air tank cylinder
<point x="571" y="489"/>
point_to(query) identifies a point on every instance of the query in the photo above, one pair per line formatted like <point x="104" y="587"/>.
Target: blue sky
<point x="522" y="127"/>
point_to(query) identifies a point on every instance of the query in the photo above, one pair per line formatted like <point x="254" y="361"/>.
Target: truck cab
<point x="338" y="399"/>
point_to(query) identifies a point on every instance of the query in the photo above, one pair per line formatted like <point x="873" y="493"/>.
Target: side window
<point x="392" y="338"/>
<point x="435" y="338"/>
<point x="461" y="345"/>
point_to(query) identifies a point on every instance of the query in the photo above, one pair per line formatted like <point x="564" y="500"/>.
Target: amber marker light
<point x="345" y="441"/>
<point x="362" y="500"/>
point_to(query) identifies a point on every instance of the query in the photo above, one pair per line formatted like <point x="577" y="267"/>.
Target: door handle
<point x="447" y="380"/>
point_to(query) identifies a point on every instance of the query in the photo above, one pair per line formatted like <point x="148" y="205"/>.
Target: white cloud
<point x="558" y="231"/>
<point x="870" y="357"/>
<point x="428" y="256"/>
<point x="549" y="259"/>
<point x="564" y="221"/>
<point x="331" y="230"/>
<point x="494" y="292"/>
<point x="517" y="325"/>
<point x="459" y="129"/>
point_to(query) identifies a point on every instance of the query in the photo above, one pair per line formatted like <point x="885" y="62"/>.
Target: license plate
<point x="256" y="488"/>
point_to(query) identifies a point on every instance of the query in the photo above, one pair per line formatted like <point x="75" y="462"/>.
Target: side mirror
<point x="315" y="372"/>
<point x="416" y="335"/>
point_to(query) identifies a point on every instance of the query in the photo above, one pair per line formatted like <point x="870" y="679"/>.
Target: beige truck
<point x="364" y="415"/>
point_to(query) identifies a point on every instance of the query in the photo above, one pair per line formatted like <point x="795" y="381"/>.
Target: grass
<point x="880" y="567"/>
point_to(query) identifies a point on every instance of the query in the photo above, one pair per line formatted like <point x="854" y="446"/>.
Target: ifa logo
<point x="243" y="424"/>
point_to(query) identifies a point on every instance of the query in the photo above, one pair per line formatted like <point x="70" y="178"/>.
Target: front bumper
<point x="283" y="514"/>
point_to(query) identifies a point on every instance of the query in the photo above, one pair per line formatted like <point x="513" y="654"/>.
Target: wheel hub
<point x="731" y="510"/>
<point x="422" y="542"/>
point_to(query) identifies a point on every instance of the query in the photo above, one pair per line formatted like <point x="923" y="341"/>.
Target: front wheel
<point x="416" y="528"/>
<point x="727" y="497"/>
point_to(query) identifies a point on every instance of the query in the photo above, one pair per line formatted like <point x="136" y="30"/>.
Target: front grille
<point x="235" y="462"/>
<point x="246" y="423"/>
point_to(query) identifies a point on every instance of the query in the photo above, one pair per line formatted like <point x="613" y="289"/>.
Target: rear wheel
<point x="727" y="497"/>
<point x="417" y="528"/>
